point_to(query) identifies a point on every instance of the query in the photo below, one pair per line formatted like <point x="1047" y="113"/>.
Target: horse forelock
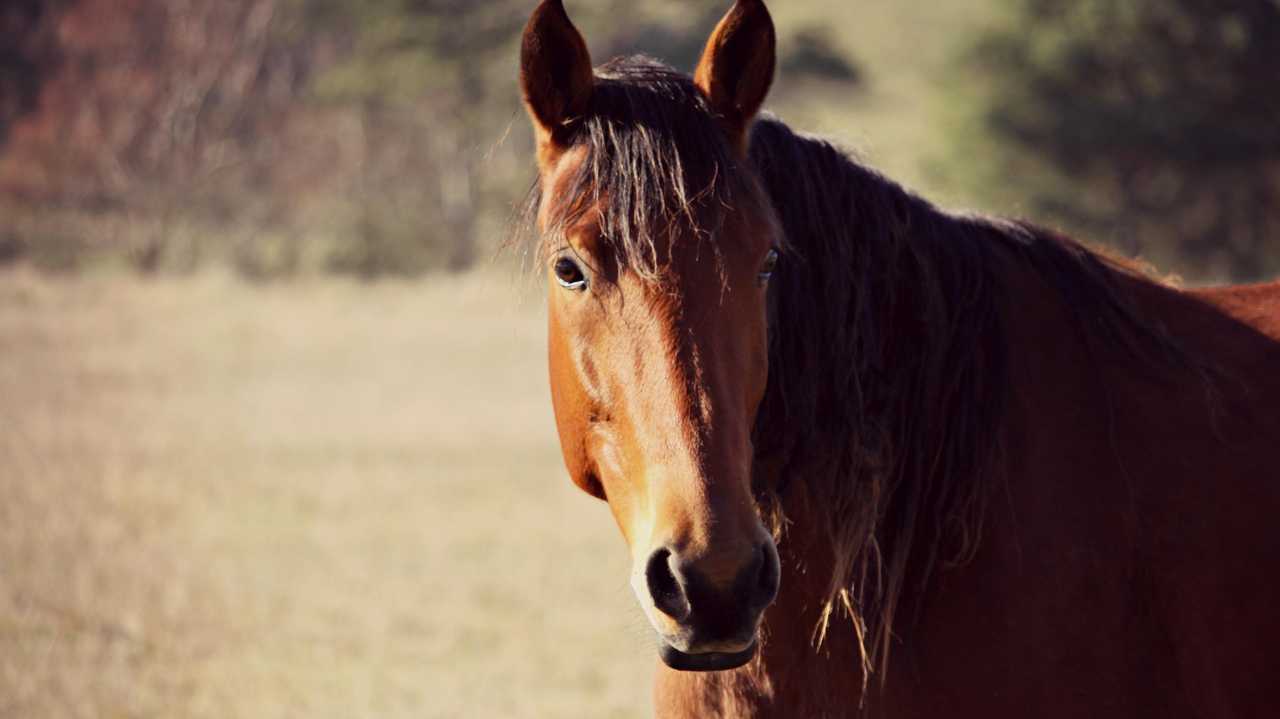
<point x="651" y="167"/>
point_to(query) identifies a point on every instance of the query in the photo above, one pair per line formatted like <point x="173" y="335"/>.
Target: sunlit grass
<point x="312" y="500"/>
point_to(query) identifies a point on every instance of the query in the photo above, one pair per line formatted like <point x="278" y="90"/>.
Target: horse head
<point x="659" y="246"/>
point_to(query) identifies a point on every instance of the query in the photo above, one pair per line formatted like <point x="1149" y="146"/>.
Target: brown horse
<point x="1006" y="476"/>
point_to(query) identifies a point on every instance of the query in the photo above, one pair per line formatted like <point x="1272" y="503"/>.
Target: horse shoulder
<point x="1204" y="450"/>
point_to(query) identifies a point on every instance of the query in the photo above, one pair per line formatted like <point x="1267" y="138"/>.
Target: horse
<point x="875" y="458"/>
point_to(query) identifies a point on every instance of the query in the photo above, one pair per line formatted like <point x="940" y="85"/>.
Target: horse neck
<point x="886" y="361"/>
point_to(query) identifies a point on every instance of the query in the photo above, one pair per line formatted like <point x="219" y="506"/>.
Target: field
<point x="313" y="500"/>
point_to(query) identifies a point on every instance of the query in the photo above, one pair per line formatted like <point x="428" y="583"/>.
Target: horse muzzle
<point x="705" y="661"/>
<point x="702" y="624"/>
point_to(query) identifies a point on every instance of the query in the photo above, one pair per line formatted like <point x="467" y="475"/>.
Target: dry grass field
<point x="312" y="500"/>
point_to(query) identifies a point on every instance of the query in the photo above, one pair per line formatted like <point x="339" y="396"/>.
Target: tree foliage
<point x="1151" y="123"/>
<point x="422" y="79"/>
<point x="155" y="111"/>
<point x="370" y="137"/>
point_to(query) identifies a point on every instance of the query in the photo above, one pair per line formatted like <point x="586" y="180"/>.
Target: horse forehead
<point x="557" y="179"/>
<point x="679" y="302"/>
<point x="697" y="268"/>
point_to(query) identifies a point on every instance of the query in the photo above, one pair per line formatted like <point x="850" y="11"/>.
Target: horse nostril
<point x="665" y="587"/>
<point x="767" y="578"/>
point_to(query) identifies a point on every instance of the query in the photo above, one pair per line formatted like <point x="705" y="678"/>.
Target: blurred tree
<point x="1154" y="123"/>
<point x="28" y="54"/>
<point x="421" y="76"/>
<point x="812" y="54"/>
<point x="368" y="137"/>
<point x="151" y="103"/>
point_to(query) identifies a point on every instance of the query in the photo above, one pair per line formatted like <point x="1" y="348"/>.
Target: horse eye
<point x="770" y="264"/>
<point x="569" y="275"/>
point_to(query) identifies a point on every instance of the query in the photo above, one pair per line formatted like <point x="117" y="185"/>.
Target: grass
<point x="317" y="499"/>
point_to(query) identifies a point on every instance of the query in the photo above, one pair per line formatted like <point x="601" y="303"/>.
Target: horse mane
<point x="896" y="439"/>
<point x="888" y="373"/>
<point x="887" y="349"/>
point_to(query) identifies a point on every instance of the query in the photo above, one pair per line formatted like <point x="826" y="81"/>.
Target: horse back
<point x="1257" y="306"/>
<point x="1134" y="559"/>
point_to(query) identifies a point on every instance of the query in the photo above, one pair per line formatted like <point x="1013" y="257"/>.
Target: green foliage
<point x="422" y="80"/>
<point x="813" y="54"/>
<point x="401" y="50"/>
<point x="371" y="137"/>
<point x="1151" y="123"/>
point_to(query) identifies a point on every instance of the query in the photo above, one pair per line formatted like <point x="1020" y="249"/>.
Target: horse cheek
<point x="572" y="408"/>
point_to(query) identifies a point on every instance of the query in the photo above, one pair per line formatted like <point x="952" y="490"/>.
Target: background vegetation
<point x="385" y="137"/>
<point x="239" y="480"/>
<point x="1149" y="124"/>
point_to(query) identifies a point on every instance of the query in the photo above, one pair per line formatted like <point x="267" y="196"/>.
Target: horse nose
<point x="681" y="588"/>
<point x="667" y="584"/>
<point x="764" y="580"/>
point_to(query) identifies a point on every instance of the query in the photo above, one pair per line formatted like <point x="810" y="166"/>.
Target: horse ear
<point x="737" y="66"/>
<point x="555" y="72"/>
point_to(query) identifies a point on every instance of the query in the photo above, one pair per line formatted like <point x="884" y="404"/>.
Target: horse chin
<point x="704" y="662"/>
